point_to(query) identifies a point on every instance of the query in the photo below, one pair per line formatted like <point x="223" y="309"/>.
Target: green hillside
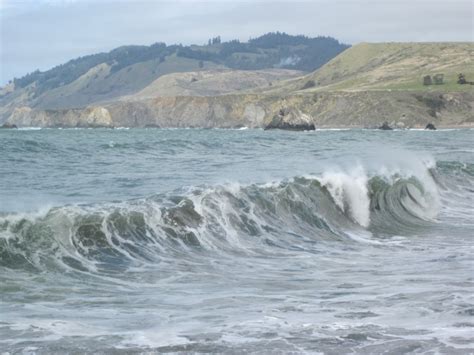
<point x="392" y="66"/>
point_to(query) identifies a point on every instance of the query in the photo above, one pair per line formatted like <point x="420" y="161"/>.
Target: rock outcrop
<point x="253" y="110"/>
<point x="430" y="126"/>
<point x="86" y="117"/>
<point x="8" y="126"/>
<point x="385" y="127"/>
<point x="292" y="120"/>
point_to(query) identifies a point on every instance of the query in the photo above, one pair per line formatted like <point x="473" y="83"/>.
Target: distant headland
<point x="318" y="81"/>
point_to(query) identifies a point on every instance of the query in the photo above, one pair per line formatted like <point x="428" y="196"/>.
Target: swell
<point x="294" y="215"/>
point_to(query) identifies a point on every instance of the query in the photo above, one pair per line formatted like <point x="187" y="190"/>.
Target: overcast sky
<point x="39" y="34"/>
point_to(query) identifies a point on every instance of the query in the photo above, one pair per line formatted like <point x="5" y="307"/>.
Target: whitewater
<point x="236" y="241"/>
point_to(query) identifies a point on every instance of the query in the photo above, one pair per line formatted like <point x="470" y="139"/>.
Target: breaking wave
<point x="295" y="214"/>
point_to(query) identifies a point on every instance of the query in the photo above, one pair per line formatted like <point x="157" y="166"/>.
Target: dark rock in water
<point x="430" y="126"/>
<point x="292" y="127"/>
<point x="8" y="125"/>
<point x="385" y="127"/>
<point x="291" y="120"/>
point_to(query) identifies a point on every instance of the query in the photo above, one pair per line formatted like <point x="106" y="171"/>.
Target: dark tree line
<point x="118" y="58"/>
<point x="267" y="51"/>
<point x="215" y="40"/>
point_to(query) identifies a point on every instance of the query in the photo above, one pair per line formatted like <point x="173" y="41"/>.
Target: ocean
<point x="236" y="241"/>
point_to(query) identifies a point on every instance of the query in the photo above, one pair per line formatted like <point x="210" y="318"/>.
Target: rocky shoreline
<point x="366" y="109"/>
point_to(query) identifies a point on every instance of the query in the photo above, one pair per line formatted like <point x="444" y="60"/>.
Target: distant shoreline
<point x="318" y="128"/>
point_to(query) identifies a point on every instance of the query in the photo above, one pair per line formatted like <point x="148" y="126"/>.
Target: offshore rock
<point x="431" y="127"/>
<point x="8" y="126"/>
<point x="292" y="120"/>
<point x="385" y="127"/>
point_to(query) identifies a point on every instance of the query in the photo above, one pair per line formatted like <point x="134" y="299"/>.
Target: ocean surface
<point x="236" y="241"/>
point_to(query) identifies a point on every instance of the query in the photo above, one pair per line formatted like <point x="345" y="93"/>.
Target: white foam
<point x="29" y="128"/>
<point x="349" y="191"/>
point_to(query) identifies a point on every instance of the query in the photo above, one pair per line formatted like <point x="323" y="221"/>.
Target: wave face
<point x="254" y="219"/>
<point x="226" y="241"/>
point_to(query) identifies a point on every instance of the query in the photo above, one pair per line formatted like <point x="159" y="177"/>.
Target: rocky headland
<point x="364" y="86"/>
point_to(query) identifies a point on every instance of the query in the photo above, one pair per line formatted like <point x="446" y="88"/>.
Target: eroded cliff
<point x="323" y="109"/>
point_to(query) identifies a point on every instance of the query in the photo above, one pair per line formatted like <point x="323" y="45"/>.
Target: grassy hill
<point x="391" y="66"/>
<point x="129" y="69"/>
<point x="212" y="82"/>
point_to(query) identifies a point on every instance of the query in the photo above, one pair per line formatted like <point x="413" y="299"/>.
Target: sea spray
<point x="349" y="191"/>
<point x="244" y="219"/>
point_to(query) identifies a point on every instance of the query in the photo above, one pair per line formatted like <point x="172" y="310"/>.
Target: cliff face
<point x="323" y="109"/>
<point x="87" y="117"/>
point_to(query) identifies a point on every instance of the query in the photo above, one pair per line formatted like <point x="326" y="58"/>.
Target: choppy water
<point x="236" y="241"/>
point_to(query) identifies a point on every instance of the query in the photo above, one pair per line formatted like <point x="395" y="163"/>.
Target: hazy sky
<point x="39" y="34"/>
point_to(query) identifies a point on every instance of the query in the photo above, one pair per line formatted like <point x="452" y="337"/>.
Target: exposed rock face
<point x="322" y="109"/>
<point x="292" y="120"/>
<point x="228" y="111"/>
<point x="87" y="117"/>
<point x="430" y="126"/>
<point x="255" y="113"/>
<point x="8" y="125"/>
<point x="385" y="127"/>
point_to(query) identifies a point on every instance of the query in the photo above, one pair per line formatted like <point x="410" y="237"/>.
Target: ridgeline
<point x="237" y="84"/>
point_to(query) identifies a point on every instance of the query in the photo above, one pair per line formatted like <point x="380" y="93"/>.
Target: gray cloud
<point x="43" y="33"/>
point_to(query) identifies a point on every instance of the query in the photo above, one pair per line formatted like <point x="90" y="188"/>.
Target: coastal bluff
<point x="362" y="87"/>
<point x="325" y="109"/>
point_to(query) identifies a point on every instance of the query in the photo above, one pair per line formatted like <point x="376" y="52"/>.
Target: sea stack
<point x="385" y="127"/>
<point x="291" y="120"/>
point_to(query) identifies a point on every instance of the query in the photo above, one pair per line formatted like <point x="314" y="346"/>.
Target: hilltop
<point x="128" y="70"/>
<point x="392" y="66"/>
<point x="363" y="86"/>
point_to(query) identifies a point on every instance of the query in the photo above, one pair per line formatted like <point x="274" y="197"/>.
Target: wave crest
<point x="254" y="219"/>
